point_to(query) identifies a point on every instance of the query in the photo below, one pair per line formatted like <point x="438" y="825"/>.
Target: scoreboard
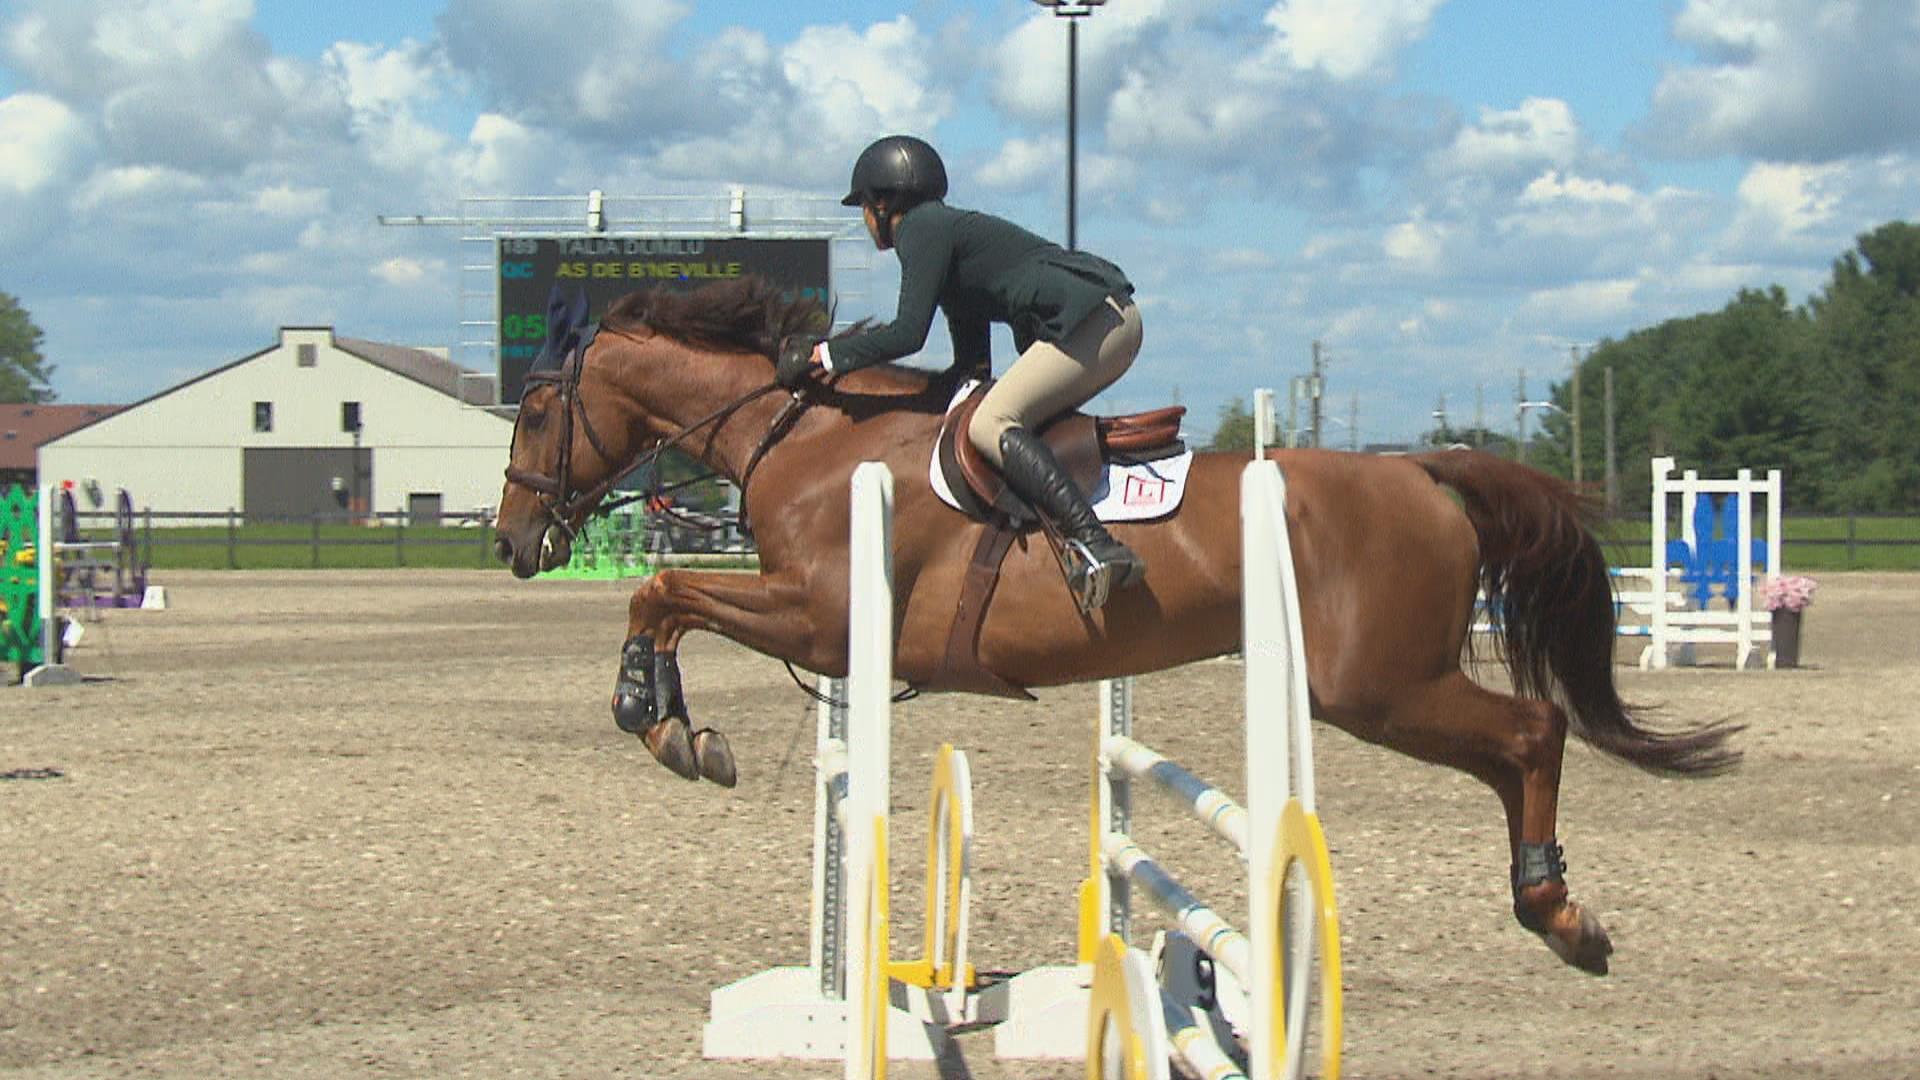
<point x="610" y="267"/>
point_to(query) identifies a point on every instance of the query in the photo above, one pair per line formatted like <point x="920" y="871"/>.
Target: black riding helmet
<point x="897" y="165"/>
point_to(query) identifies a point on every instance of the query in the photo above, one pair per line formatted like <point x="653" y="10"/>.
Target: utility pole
<point x="1353" y="422"/>
<point x="1574" y="352"/>
<point x="1613" y="478"/>
<point x="1314" y="390"/>
<point x="1520" y="418"/>
<point x="1479" y="415"/>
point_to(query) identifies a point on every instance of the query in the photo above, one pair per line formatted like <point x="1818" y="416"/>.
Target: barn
<point x="313" y="423"/>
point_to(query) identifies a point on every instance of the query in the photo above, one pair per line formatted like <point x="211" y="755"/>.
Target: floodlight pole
<point x="1073" y="13"/>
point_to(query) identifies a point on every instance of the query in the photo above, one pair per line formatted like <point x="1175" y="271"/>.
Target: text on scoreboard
<point x="610" y="267"/>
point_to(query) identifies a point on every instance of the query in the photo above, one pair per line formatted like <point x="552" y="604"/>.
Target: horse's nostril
<point x="503" y="549"/>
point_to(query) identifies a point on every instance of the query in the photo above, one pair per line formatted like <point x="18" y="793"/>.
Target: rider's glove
<point x="796" y="360"/>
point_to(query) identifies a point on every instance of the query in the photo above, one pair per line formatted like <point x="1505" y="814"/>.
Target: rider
<point x="1073" y="320"/>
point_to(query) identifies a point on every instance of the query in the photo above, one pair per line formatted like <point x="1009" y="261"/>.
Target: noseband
<point x="561" y="504"/>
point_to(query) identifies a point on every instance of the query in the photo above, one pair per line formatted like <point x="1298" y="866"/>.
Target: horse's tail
<point x="1546" y="582"/>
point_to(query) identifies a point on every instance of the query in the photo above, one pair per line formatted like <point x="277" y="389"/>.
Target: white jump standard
<point x="847" y="1002"/>
<point x="1669" y="629"/>
<point x="1235" y="1018"/>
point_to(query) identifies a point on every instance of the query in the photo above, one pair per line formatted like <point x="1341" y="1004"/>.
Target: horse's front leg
<point x="768" y="615"/>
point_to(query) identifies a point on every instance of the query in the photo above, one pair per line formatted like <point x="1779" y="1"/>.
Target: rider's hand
<point x="798" y="359"/>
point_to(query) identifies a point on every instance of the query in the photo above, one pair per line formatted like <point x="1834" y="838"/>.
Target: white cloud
<point x="270" y="306"/>
<point x="1414" y="245"/>
<point x="286" y="200"/>
<point x="40" y="138"/>
<point x="1790" y="80"/>
<point x="1542" y="131"/>
<point x="170" y="82"/>
<point x="401" y="271"/>
<point x="157" y="35"/>
<point x="377" y="79"/>
<point x="860" y="82"/>
<point x="1580" y="303"/>
<point x="1551" y="186"/>
<point x="1347" y="39"/>
<point x="604" y="70"/>
<point x="799" y="113"/>
<point x="1356" y="323"/>
<point x="113" y="190"/>
<point x="1790" y="198"/>
<point x="501" y="155"/>
<point x="1020" y="164"/>
<point x="1028" y="64"/>
<point x="1244" y="260"/>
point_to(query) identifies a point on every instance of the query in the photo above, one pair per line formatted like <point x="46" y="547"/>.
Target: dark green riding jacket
<point x="980" y="270"/>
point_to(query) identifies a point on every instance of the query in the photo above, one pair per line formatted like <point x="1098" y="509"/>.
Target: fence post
<point x="233" y="540"/>
<point x="146" y="534"/>
<point x="1850" y="538"/>
<point x="316" y="540"/>
<point x="400" y="538"/>
<point x="485" y="520"/>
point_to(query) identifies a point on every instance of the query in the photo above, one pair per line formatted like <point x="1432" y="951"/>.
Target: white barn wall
<point x="481" y="474"/>
<point x="182" y="449"/>
<point x="177" y="478"/>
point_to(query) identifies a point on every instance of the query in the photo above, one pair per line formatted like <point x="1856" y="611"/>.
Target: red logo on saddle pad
<point x="1143" y="491"/>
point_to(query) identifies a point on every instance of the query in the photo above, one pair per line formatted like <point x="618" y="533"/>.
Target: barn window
<point x="349" y="416"/>
<point x="263" y="416"/>
<point x="308" y="355"/>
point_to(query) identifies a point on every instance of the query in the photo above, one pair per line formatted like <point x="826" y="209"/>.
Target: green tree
<point x="1234" y="428"/>
<point x="1867" y="367"/>
<point x="1828" y="391"/>
<point x="24" y="373"/>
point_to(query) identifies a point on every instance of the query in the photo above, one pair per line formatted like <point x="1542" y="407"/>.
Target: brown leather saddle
<point x="1083" y="444"/>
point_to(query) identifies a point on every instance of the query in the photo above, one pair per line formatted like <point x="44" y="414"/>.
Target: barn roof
<point x="23" y="428"/>
<point x="422" y="366"/>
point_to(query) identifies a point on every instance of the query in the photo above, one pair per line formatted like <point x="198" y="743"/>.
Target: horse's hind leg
<point x="1514" y="745"/>
<point x="765" y="615"/>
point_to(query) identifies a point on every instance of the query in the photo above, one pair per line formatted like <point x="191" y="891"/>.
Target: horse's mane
<point x="748" y="313"/>
<point x="755" y="315"/>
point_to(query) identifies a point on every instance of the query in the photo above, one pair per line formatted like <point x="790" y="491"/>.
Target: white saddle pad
<point x="1140" y="492"/>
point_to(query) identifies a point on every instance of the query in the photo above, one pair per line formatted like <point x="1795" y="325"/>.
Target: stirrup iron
<point x="1090" y="579"/>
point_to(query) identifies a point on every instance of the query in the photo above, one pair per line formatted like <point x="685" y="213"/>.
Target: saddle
<point x="1083" y="444"/>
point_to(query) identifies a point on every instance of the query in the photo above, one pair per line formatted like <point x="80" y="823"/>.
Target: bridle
<point x="561" y="504"/>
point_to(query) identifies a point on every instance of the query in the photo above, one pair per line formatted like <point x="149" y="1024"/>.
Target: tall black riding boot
<point x="1101" y="563"/>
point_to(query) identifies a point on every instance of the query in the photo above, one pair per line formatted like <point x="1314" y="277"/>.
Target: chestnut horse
<point x="1391" y="552"/>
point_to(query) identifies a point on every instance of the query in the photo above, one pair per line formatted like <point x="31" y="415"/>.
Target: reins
<point x="560" y="507"/>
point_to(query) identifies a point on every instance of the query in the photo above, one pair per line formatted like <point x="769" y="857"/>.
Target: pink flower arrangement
<point x="1788" y="593"/>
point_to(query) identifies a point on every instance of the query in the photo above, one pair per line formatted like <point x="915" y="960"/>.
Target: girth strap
<point x="960" y="668"/>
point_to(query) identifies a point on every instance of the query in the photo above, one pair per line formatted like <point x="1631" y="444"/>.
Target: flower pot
<point x="1786" y="638"/>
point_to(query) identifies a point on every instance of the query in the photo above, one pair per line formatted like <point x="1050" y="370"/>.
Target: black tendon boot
<point x="1100" y="562"/>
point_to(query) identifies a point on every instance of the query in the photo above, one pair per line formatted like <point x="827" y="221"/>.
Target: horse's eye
<point x="534" y="419"/>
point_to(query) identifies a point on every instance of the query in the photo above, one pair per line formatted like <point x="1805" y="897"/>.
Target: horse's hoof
<point x="715" y="756"/>
<point x="672" y="745"/>
<point x="1585" y="946"/>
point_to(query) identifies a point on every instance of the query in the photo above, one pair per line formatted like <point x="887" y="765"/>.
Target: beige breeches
<point x="1050" y="378"/>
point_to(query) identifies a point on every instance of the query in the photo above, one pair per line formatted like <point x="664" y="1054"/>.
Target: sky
<point x="1442" y="193"/>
